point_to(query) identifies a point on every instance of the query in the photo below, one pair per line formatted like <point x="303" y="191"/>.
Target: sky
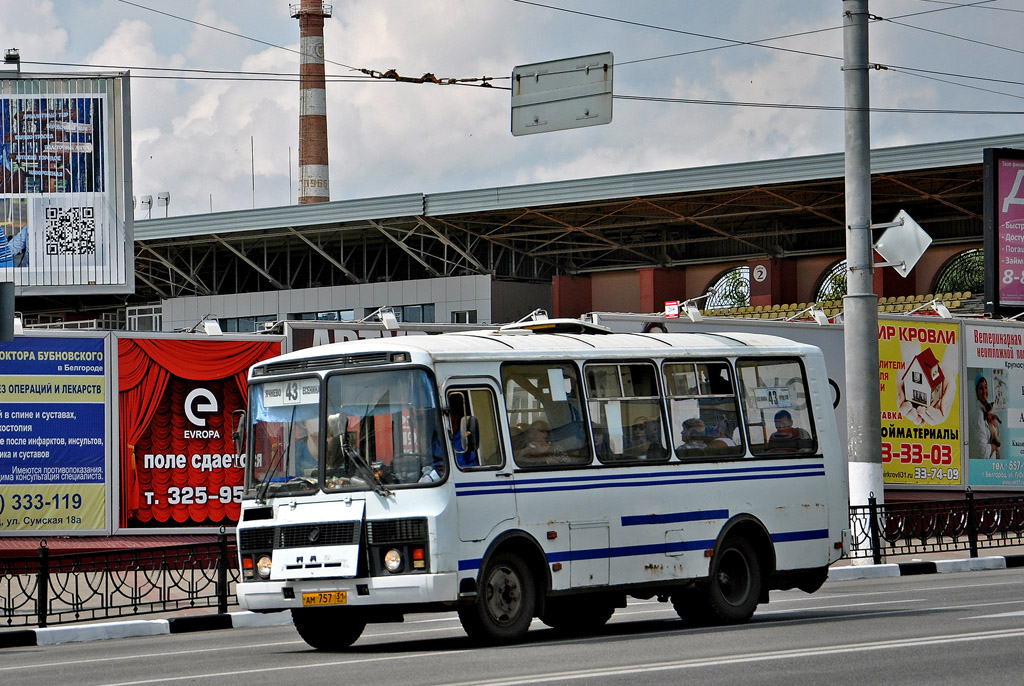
<point x="228" y="140"/>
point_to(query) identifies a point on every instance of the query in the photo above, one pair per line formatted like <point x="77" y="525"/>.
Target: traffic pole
<point x="860" y="305"/>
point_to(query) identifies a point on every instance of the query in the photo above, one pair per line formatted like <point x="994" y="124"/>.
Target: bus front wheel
<point x="505" y="602"/>
<point x="328" y="629"/>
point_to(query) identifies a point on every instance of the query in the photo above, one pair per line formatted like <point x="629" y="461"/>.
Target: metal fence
<point x="970" y="524"/>
<point x="70" y="587"/>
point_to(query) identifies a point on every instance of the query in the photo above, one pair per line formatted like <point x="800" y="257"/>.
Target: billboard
<point x="65" y="185"/>
<point x="994" y="389"/>
<point x="176" y="400"/>
<point x="54" y="435"/>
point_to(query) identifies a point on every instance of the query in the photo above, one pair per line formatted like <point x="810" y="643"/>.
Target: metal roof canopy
<point x="724" y="213"/>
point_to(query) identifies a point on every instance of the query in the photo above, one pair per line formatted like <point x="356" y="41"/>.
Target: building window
<point x="833" y="283"/>
<point x="246" y="324"/>
<point x="464" y="317"/>
<point x="413" y="314"/>
<point x="963" y="272"/>
<point x="732" y="289"/>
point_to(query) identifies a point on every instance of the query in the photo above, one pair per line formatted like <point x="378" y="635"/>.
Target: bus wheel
<point x="504" y="604"/>
<point x="576" y="615"/>
<point x="733" y="588"/>
<point x="328" y="628"/>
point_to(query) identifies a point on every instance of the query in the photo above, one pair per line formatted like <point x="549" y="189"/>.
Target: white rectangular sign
<point x="563" y="94"/>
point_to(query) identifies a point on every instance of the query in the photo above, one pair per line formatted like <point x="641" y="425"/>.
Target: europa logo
<point x="200" y="400"/>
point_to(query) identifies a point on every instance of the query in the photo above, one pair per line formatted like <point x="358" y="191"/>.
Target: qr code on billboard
<point x="70" y="231"/>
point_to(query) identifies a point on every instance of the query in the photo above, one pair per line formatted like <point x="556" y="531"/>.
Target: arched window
<point x="962" y="272"/>
<point x="833" y="283"/>
<point x="732" y="289"/>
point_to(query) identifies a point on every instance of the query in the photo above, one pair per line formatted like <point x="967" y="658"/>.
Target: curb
<point x="26" y="638"/>
<point x="917" y="567"/>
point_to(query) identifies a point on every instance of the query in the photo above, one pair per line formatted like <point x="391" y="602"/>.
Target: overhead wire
<point x="371" y="75"/>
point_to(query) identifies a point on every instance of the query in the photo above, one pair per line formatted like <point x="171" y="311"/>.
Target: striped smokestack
<point x="314" y="182"/>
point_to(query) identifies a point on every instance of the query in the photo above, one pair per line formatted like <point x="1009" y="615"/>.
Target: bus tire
<point x="733" y="587"/>
<point x="505" y="602"/>
<point x="328" y="629"/>
<point x="576" y="615"/>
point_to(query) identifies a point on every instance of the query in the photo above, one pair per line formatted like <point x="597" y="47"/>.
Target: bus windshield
<point x="380" y="429"/>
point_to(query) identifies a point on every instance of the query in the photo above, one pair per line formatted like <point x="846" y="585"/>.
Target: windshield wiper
<point x="264" y="486"/>
<point x="360" y="462"/>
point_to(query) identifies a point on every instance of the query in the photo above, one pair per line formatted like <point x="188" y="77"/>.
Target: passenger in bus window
<point x="695" y="437"/>
<point x="539" y="449"/>
<point x="645" y="440"/>
<point x="787" y="438"/>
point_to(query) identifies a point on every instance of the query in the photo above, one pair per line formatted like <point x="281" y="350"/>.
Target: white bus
<point x="549" y="469"/>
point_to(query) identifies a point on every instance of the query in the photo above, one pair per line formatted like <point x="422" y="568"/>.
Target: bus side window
<point x="478" y="403"/>
<point x="778" y="417"/>
<point x="545" y="417"/>
<point x="625" y="411"/>
<point x="703" y="408"/>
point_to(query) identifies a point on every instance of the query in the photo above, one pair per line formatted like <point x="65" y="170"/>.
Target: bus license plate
<point x="329" y="598"/>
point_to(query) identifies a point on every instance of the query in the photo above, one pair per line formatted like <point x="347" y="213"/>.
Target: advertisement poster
<point x="177" y="399"/>
<point x="995" y="405"/>
<point x="52" y="435"/>
<point x="1010" y="230"/>
<point x="60" y="176"/>
<point x="919" y="381"/>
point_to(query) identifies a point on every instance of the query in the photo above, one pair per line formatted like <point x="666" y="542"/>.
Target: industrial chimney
<point x="314" y="181"/>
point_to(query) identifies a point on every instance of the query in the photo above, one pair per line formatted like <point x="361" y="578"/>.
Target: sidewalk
<point x="926" y="563"/>
<point x="179" y="623"/>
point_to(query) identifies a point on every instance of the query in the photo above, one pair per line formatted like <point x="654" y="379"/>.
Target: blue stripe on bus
<point x="674" y="517"/>
<point x="810" y="535"/>
<point x="571" y="483"/>
<point x="661" y="474"/>
<point x="664" y="548"/>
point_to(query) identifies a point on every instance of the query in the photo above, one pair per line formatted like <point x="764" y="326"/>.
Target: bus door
<point x="484" y="493"/>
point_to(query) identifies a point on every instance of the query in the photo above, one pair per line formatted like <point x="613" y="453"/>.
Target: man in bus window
<point x="539" y="449"/>
<point x="695" y="436"/>
<point x="787" y="438"/>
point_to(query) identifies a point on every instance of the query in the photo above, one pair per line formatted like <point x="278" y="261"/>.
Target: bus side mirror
<point x="469" y="429"/>
<point x="238" y="432"/>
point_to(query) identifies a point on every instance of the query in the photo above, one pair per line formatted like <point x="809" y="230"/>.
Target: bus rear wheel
<point x="505" y="602"/>
<point x="733" y="588"/>
<point x="328" y="629"/>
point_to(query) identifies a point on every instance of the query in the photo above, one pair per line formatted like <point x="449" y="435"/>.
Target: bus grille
<point x="256" y="539"/>
<point x="298" y="536"/>
<point x="397" y="531"/>
<point x="326" y="533"/>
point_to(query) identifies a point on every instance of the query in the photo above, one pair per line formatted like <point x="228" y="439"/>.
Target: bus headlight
<point x="392" y="560"/>
<point x="263" y="566"/>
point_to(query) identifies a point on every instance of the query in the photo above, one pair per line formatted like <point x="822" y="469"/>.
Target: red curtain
<point x="154" y="377"/>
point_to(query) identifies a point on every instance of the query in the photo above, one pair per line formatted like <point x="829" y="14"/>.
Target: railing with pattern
<point x="51" y="588"/>
<point x="971" y="524"/>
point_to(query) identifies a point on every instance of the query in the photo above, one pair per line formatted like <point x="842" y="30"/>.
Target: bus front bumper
<point x="405" y="589"/>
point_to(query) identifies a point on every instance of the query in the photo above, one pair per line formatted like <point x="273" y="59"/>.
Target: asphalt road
<point x="937" y="629"/>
